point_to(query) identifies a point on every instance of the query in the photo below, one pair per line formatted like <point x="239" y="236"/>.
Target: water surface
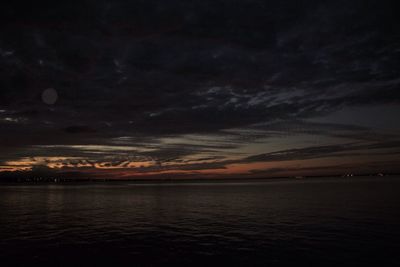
<point x="320" y="222"/>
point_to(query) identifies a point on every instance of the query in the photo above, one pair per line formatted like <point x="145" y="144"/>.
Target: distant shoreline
<point x="66" y="181"/>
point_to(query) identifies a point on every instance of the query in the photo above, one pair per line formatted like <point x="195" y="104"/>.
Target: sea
<point x="351" y="221"/>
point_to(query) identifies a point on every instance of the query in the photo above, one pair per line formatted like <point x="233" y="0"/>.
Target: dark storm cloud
<point x="145" y="70"/>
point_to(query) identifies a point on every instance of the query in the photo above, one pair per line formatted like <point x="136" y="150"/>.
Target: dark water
<point x="319" y="222"/>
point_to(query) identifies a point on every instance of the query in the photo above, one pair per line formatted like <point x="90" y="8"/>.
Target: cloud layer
<point x="200" y="87"/>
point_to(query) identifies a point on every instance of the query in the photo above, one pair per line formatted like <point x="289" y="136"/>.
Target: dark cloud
<point x="79" y="129"/>
<point x="325" y="151"/>
<point x="132" y="73"/>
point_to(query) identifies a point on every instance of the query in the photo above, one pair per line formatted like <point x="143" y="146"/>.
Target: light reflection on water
<point x="319" y="221"/>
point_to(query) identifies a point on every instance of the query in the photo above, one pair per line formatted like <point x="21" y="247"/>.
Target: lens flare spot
<point x="49" y="96"/>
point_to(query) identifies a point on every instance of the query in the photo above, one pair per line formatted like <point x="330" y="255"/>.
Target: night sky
<point x="199" y="89"/>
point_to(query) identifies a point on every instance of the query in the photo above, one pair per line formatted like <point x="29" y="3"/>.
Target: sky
<point x="199" y="89"/>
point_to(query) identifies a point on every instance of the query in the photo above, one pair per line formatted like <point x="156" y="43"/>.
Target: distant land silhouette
<point x="43" y="174"/>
